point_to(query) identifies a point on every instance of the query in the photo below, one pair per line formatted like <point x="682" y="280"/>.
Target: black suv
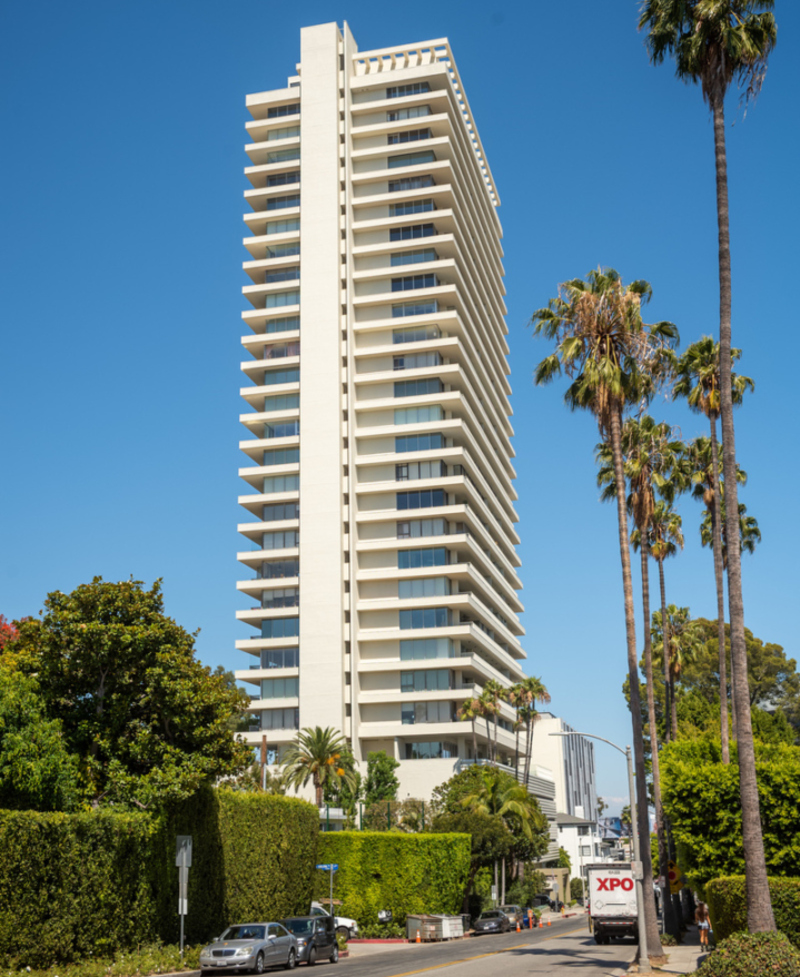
<point x="316" y="938"/>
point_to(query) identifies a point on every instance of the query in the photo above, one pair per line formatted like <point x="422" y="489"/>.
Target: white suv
<point x="346" y="927"/>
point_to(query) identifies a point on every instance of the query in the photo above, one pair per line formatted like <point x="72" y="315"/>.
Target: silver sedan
<point x="250" y="946"/>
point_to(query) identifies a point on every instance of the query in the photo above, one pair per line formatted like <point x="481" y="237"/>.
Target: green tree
<point x="613" y="360"/>
<point x="345" y="792"/>
<point x="698" y="381"/>
<point x="677" y="641"/>
<point x="493" y="694"/>
<point x="36" y="770"/>
<point x="148" y="721"/>
<point x="491" y="839"/>
<point x="469" y="711"/>
<point x="316" y="755"/>
<point x="381" y="783"/>
<point x="749" y="533"/>
<point x="527" y="693"/>
<point x="717" y="42"/>
<point x="564" y="861"/>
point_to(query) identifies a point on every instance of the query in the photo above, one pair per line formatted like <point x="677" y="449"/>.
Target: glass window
<point x="281" y="402"/>
<point x="425" y="649"/>
<point x="280" y="510"/>
<point x="285" y="323"/>
<point x="412" y="361"/>
<point x="414" y="257"/>
<point x="413" y="388"/>
<point x="411" y="207"/>
<point x="428" y="587"/>
<point x="431" y="751"/>
<point x="411" y="159"/>
<point x="281" y="456"/>
<point x="282" y="275"/>
<point x="410" y="183"/>
<point x="281" y="203"/>
<point x="279" y="569"/>
<point x="280" y="719"/>
<point x="427" y="712"/>
<point x="282" y="227"/>
<point x="411" y="232"/>
<point x="278" y="299"/>
<point x="283" y="155"/>
<point x="413" y="559"/>
<point x="278" y="351"/>
<point x="414" y="470"/>
<point x="409" y="282"/>
<point x="426" y="680"/>
<point x="280" y="658"/>
<point x="417" y="415"/>
<point x="272" y="377"/>
<point x="421" y="307"/>
<point x="424" y="617"/>
<point x="285" y="597"/>
<point x="415" y="334"/>
<point x="412" y="528"/>
<point x="286" y="540"/>
<point x="280" y="688"/>
<point x="279" y="110"/>
<point x="414" y="112"/>
<point x="283" y="250"/>
<point x="286" y="132"/>
<point x="421" y="500"/>
<point x="410" y="135"/>
<point x="280" y="627"/>
<point x="417" y="442"/>
<point x="412" y="88"/>
<point x="281" y="483"/>
<point x="280" y="179"/>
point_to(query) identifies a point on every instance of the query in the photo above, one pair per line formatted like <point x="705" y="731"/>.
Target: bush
<point x="667" y="939"/>
<point x="748" y="954"/>
<point x="727" y="904"/>
<point x="576" y="889"/>
<point x="406" y="873"/>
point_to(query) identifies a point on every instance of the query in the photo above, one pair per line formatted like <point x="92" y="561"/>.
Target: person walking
<point x="703" y="921"/>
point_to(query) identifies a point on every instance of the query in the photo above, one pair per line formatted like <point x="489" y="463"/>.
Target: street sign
<point x="183" y="847"/>
<point x="638" y="871"/>
<point x="675" y="876"/>
<point x="329" y="868"/>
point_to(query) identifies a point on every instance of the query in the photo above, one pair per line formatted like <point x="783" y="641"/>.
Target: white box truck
<point x="612" y="901"/>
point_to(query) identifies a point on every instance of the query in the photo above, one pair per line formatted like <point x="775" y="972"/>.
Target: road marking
<point x="492" y="953"/>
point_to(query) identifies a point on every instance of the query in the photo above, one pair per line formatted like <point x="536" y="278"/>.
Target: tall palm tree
<point x="531" y="691"/>
<point x="666" y="538"/>
<point x="613" y="359"/>
<point x="749" y="533"/>
<point x="698" y="381"/>
<point x="316" y="755"/>
<point x="683" y="639"/>
<point x="495" y="796"/>
<point x="515" y="698"/>
<point x="493" y="694"/>
<point x="652" y="456"/>
<point x="715" y="42"/>
<point x="470" y="710"/>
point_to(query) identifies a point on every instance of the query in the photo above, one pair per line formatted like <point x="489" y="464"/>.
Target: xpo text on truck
<point x="612" y="901"/>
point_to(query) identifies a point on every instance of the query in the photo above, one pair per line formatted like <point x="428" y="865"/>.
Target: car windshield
<point x="248" y="932"/>
<point x="299" y="926"/>
<point x="494" y="915"/>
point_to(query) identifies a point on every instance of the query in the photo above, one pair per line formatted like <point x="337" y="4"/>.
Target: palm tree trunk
<point x="670" y="923"/>
<point x="716" y="535"/>
<point x="488" y="739"/>
<point x="516" y="749"/>
<point x="650" y="919"/>
<point x="760" y="917"/>
<point x="496" y="724"/>
<point x="673" y="707"/>
<point x="528" y="746"/>
<point x="665" y="641"/>
<point x="474" y="741"/>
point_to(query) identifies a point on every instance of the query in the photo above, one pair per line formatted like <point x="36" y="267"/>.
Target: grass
<point x="146" y="960"/>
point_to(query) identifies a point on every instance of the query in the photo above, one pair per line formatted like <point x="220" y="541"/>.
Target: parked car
<point x="250" y="946"/>
<point x="541" y="900"/>
<point x="514" y="913"/>
<point x="492" y="921"/>
<point x="316" y="938"/>
<point x="348" y="928"/>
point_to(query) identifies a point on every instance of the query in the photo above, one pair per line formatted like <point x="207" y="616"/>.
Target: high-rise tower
<point x="381" y="495"/>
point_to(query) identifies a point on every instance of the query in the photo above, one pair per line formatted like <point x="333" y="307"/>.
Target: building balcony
<point x="259" y="151"/>
<point x="257" y="319"/>
<point x="254" y="558"/>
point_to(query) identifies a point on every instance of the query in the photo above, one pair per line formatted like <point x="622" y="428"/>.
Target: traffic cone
<point x="519" y="928"/>
<point x="418" y="939"/>
<point x="549" y="923"/>
<point x="541" y="924"/>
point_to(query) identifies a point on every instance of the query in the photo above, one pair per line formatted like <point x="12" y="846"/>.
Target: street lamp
<point x="644" y="956"/>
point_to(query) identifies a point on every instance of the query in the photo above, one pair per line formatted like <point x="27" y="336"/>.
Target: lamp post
<point x="644" y="956"/>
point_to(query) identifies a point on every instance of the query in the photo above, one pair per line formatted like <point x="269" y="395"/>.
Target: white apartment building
<point x="381" y="585"/>
<point x="571" y="758"/>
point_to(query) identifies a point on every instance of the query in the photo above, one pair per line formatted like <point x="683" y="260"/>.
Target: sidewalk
<point x="686" y="958"/>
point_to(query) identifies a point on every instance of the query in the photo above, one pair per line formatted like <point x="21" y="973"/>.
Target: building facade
<point x="381" y="585"/>
<point x="571" y="758"/>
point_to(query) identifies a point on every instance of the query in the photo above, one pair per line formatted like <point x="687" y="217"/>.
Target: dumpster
<point x="434" y="927"/>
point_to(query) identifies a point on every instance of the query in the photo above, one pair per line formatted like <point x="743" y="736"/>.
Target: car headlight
<point x="244" y="951"/>
<point x="301" y="942"/>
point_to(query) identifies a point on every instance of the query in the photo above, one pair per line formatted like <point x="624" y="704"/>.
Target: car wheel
<point x="259" y="967"/>
<point x="312" y="956"/>
<point x="335" y="953"/>
<point x="344" y="932"/>
<point x="291" y="961"/>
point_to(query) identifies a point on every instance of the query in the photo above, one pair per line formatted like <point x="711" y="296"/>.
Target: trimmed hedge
<point x="406" y="873"/>
<point x="751" y="955"/>
<point x="727" y="904"/>
<point x="72" y="885"/>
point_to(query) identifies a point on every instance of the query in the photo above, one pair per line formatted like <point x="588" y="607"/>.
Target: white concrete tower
<point x="381" y="483"/>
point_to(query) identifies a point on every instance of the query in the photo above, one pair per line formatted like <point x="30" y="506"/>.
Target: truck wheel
<point x="598" y="939"/>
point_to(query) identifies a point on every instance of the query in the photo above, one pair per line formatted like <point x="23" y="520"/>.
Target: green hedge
<point x="74" y="884"/>
<point x="406" y="873"/>
<point x="94" y="883"/>
<point x="727" y="904"/>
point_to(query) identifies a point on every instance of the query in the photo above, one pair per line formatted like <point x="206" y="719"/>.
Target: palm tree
<point x="683" y="640"/>
<point x="666" y="538"/>
<point x="316" y="755"/>
<point x="749" y="533"/>
<point x="493" y="694"/>
<point x="613" y="360"/>
<point x="531" y="691"/>
<point x="470" y="710"/>
<point x="698" y="381"/>
<point x="715" y="43"/>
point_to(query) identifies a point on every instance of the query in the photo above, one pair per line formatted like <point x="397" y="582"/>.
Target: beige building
<point x="381" y="575"/>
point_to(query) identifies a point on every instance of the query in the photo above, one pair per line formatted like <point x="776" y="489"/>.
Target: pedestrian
<point x="703" y="921"/>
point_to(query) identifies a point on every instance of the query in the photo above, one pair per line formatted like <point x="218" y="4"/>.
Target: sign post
<point x="183" y="859"/>
<point x="330" y="868"/>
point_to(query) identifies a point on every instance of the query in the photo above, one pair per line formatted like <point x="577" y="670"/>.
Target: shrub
<point x="576" y="889"/>
<point x="727" y="904"/>
<point x="412" y="873"/>
<point x="748" y="954"/>
<point x="667" y="939"/>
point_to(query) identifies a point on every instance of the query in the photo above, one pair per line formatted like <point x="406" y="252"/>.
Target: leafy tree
<point x="8" y="631"/>
<point x="242" y="720"/>
<point x="678" y="641"/>
<point x="148" y="721"/>
<point x="715" y="44"/>
<point x="316" y="755"/>
<point x="491" y="839"/>
<point x="345" y="792"/>
<point x="448" y="797"/>
<point x="601" y="806"/>
<point x="381" y="783"/>
<point x="613" y="359"/>
<point x="564" y="861"/>
<point x="469" y="711"/>
<point x="251" y="780"/>
<point x="36" y="770"/>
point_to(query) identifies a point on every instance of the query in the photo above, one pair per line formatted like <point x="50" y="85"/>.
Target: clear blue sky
<point x="122" y="134"/>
